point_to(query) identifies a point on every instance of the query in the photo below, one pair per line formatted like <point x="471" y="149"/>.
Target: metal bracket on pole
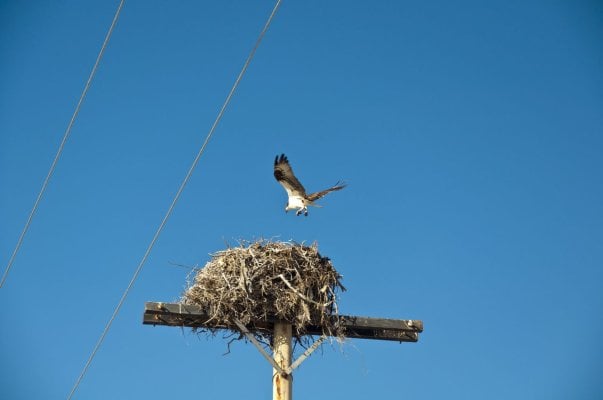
<point x="257" y="344"/>
<point x="306" y="354"/>
<point x="267" y="356"/>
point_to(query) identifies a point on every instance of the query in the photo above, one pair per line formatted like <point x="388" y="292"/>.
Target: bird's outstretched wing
<point x="318" y="195"/>
<point x="284" y="175"/>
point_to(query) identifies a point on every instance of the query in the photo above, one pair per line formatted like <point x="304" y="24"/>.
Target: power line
<point x="62" y="145"/>
<point x="174" y="201"/>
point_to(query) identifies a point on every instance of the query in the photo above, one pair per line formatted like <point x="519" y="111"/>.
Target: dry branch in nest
<point x="265" y="280"/>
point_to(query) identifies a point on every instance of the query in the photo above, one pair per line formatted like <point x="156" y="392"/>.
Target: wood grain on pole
<point x="281" y="352"/>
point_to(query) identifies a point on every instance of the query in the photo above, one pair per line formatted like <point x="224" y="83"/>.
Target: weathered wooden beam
<point x="382" y="323"/>
<point x="173" y="314"/>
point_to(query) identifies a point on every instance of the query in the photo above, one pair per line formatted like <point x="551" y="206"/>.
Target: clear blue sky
<point x="471" y="135"/>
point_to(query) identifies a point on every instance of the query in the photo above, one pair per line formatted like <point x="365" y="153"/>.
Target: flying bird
<point x="298" y="199"/>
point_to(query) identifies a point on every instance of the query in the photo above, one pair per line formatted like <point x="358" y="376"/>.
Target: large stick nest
<point x="263" y="281"/>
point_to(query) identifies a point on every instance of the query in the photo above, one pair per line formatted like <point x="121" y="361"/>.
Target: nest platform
<point x="266" y="280"/>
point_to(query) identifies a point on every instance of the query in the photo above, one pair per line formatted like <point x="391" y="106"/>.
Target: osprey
<point x="298" y="199"/>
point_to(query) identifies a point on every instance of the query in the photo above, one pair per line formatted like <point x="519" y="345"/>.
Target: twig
<point x="301" y="295"/>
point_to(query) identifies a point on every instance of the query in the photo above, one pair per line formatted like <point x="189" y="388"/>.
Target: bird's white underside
<point x="295" y="202"/>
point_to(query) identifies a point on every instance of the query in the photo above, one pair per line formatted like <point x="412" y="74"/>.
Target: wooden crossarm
<point x="174" y="314"/>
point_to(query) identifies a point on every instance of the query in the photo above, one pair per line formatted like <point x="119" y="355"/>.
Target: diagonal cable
<point x="174" y="201"/>
<point x="62" y="145"/>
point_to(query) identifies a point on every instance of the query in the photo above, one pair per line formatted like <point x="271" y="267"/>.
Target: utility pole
<point x="193" y="316"/>
<point x="281" y="352"/>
